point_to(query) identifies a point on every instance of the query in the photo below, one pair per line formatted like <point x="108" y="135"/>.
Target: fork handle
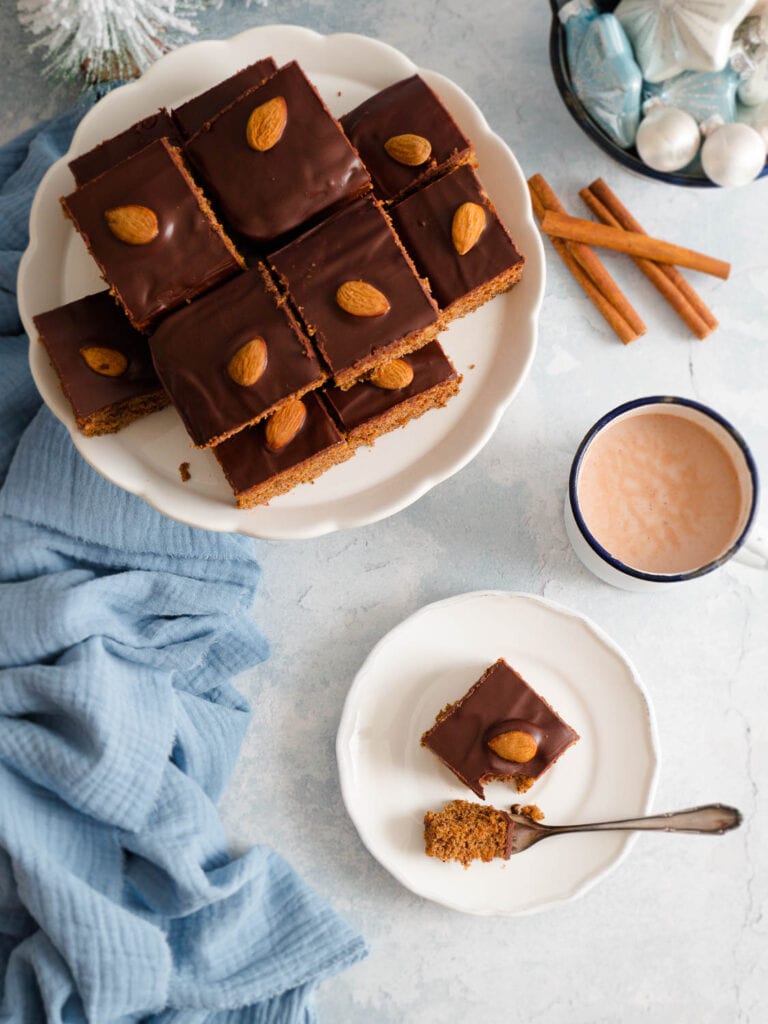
<point x="709" y="819"/>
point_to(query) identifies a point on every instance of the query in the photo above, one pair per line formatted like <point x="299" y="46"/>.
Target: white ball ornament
<point x="667" y="139"/>
<point x="734" y="154"/>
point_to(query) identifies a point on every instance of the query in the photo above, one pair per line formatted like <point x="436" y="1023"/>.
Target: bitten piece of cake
<point x="464" y="831"/>
<point x="500" y="730"/>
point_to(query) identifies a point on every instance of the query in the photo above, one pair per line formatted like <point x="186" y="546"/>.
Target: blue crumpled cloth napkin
<point x="119" y="632"/>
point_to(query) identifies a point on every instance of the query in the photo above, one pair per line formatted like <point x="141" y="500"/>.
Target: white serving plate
<point x="499" y="339"/>
<point x="388" y="780"/>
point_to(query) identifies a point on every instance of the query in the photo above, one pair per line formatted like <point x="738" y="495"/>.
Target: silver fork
<point x="709" y="819"/>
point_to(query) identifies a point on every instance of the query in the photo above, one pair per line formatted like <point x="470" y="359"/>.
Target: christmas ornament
<point x="607" y="80"/>
<point x="667" y="139"/>
<point x="754" y="86"/>
<point x="700" y="93"/>
<point x="732" y="154"/>
<point x="105" y="39"/>
<point x="670" y="36"/>
<point x="576" y="16"/>
<point x="755" y="117"/>
<point x="750" y="58"/>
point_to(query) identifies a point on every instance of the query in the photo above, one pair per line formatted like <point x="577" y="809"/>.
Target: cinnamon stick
<point x="631" y="242"/>
<point x="687" y="292"/>
<point x="600" y="292"/>
<point x="655" y="272"/>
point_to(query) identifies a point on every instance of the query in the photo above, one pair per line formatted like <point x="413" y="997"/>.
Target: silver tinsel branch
<point x="106" y="39"/>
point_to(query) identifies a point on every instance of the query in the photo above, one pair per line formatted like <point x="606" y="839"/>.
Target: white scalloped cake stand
<point x="499" y="339"/>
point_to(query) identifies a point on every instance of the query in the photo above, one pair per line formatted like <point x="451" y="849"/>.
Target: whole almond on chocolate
<point x="358" y="298"/>
<point x="134" y="225"/>
<point x="266" y="124"/>
<point x="392" y="376"/>
<point x="408" y="149"/>
<point x="468" y="224"/>
<point x="515" y="745"/>
<point x="106" y="361"/>
<point x="283" y="425"/>
<point x="248" y="363"/>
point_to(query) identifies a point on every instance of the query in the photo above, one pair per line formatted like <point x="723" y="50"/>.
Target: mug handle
<point x="753" y="553"/>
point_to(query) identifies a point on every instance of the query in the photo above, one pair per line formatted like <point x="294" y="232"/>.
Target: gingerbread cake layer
<point x="464" y="832"/>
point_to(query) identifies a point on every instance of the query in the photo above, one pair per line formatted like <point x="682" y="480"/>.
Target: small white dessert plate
<point x="388" y="780"/>
<point x="498" y="341"/>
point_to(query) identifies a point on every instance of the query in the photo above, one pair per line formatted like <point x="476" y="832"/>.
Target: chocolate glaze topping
<point x="193" y="346"/>
<point x="357" y="243"/>
<point x="192" y="115"/>
<point x="407" y="107"/>
<point x="97" y="321"/>
<point x="247" y="460"/>
<point x="120" y="147"/>
<point x="186" y="257"/>
<point x="424" y="221"/>
<point x="312" y="168"/>
<point x="500" y="695"/>
<point x="364" y="402"/>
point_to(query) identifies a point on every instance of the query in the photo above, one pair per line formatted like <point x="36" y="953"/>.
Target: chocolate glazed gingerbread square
<point x="398" y="392"/>
<point x="458" y="242"/>
<point x="152" y="233"/>
<point x="357" y="291"/>
<point x="233" y="357"/>
<point x="276" y="158"/>
<point x="295" y="445"/>
<point x="406" y="137"/>
<point x="500" y="730"/>
<point x="103" y="364"/>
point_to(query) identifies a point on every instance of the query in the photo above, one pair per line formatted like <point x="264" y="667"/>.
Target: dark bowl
<point x="628" y="157"/>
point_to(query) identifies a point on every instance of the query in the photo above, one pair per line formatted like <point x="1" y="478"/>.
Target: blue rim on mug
<point x="578" y="458"/>
<point x="628" y="157"/>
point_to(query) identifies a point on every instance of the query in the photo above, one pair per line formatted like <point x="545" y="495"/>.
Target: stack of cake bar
<point x="277" y="275"/>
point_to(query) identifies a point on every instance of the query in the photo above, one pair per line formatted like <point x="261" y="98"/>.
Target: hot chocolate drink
<point x="660" y="493"/>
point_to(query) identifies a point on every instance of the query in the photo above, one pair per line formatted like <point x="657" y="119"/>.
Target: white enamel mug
<point x="608" y="568"/>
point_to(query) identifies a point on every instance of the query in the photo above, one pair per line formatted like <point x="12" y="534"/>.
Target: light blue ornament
<point x="576" y="16"/>
<point x="607" y="79"/>
<point x="700" y="93"/>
